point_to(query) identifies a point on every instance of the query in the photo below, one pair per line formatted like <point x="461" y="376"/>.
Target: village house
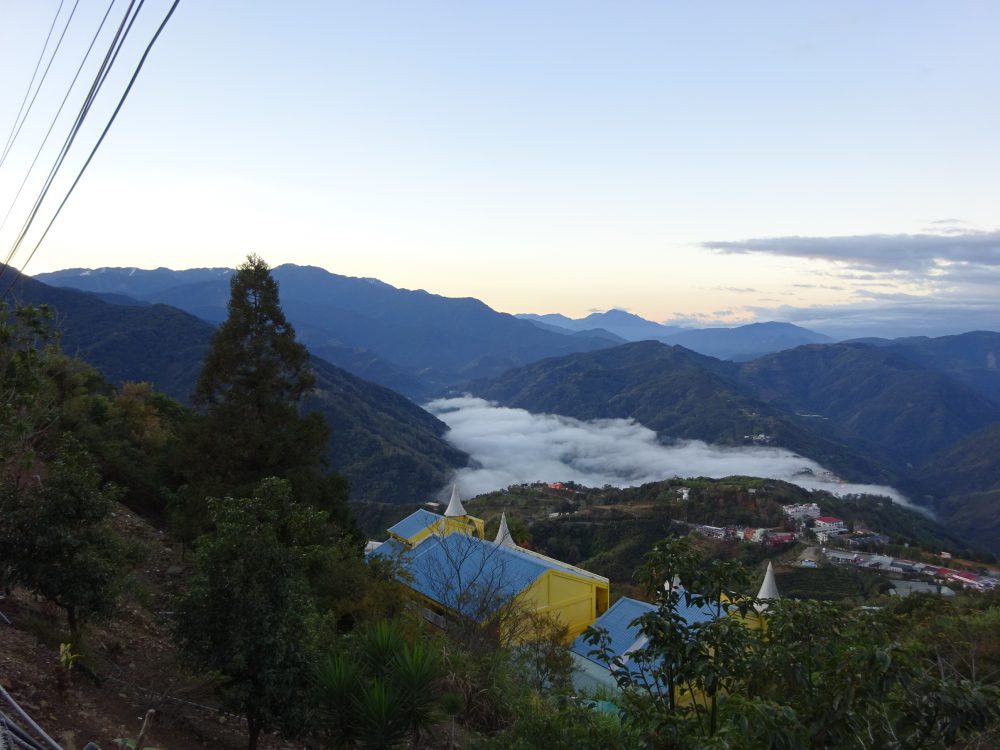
<point x="625" y="636"/>
<point x="456" y="573"/>
<point x="799" y="513"/>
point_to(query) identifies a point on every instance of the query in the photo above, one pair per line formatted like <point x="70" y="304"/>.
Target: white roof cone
<point x="455" y="508"/>
<point x="768" y="590"/>
<point x="503" y="533"/>
<point x="673" y="585"/>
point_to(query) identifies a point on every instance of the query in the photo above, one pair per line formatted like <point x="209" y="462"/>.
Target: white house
<point x="830" y="526"/>
<point x="801" y="512"/>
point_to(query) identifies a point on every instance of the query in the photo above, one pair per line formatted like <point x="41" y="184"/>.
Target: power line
<point x="95" y="86"/>
<point x="45" y="140"/>
<point x="93" y="151"/>
<point x="31" y="83"/>
<point x="41" y="82"/>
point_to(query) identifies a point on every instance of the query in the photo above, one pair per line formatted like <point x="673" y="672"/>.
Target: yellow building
<point x="457" y="572"/>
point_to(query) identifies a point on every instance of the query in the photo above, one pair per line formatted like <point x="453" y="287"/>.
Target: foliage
<point x="381" y="692"/>
<point x="252" y="381"/>
<point x="391" y="448"/>
<point x="56" y="539"/>
<point x="805" y="674"/>
<point x="251" y="387"/>
<point x="562" y="724"/>
<point x="246" y="612"/>
<point x="27" y="394"/>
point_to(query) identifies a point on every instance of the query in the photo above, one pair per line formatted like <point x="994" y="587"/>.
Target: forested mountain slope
<point x="390" y="448"/>
<point x="408" y="339"/>
<point x="679" y="394"/>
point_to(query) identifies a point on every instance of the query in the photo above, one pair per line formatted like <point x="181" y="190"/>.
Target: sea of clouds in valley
<point x="513" y="446"/>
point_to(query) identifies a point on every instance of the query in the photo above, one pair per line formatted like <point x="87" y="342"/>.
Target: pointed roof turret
<point x="455" y="507"/>
<point x="503" y="533"/>
<point x="768" y="590"/>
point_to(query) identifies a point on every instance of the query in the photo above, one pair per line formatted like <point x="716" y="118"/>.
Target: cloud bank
<point x="937" y="283"/>
<point x="888" y="252"/>
<point x="513" y="446"/>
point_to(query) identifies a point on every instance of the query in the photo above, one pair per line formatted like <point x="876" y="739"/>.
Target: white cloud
<point x="512" y="446"/>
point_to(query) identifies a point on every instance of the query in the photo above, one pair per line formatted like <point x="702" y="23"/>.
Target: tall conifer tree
<point x="250" y="393"/>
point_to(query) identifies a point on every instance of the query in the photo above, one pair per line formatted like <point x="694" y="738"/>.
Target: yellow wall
<point x="574" y="600"/>
<point x="462" y="524"/>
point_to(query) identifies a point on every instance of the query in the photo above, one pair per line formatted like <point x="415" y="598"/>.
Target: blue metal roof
<point x="414" y="523"/>
<point x="623" y="634"/>
<point x="618" y="622"/>
<point x="467" y="574"/>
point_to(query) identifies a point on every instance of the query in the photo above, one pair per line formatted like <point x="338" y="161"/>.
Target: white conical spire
<point x="768" y="590"/>
<point x="455" y="508"/>
<point x="503" y="533"/>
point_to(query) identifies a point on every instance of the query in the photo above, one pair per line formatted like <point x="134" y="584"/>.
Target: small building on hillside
<point x="781" y="539"/>
<point x="626" y="637"/>
<point x="800" y="513"/>
<point x="828" y="527"/>
<point x="456" y="573"/>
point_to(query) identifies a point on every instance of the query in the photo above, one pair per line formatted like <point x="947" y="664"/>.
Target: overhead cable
<point x="31" y="83"/>
<point x="41" y="82"/>
<point x="55" y="119"/>
<point x="93" y="151"/>
<point x="119" y="38"/>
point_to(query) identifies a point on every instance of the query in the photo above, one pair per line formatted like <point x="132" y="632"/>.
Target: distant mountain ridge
<point x="419" y="342"/>
<point x="390" y="448"/>
<point x="735" y="343"/>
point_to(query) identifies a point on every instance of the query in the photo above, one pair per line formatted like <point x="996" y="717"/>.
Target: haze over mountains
<point x="738" y="343"/>
<point x="412" y="341"/>
<point x="920" y="414"/>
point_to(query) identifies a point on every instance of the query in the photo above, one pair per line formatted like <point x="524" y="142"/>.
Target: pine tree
<point x="250" y="392"/>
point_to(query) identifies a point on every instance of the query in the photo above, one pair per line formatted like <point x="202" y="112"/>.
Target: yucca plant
<point x="384" y="696"/>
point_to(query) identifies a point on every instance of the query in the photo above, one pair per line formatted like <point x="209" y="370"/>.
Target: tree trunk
<point x="74" y="626"/>
<point x="254" y="726"/>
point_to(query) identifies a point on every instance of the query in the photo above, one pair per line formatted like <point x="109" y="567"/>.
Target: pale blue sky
<point x="549" y="156"/>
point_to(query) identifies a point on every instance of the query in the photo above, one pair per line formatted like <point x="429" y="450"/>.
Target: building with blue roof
<point x="625" y="635"/>
<point x="457" y="573"/>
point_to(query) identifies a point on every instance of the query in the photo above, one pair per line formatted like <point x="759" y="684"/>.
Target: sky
<point x="513" y="446"/>
<point x="829" y="164"/>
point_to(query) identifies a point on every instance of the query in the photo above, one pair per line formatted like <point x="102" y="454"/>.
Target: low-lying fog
<point x="513" y="446"/>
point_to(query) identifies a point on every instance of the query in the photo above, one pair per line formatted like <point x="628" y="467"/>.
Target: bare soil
<point x="127" y="664"/>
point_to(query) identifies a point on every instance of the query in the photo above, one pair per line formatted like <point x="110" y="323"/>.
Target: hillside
<point x="390" y="449"/>
<point x="872" y="394"/>
<point x="412" y="340"/>
<point x="679" y="394"/>
<point x="609" y="530"/>
<point x="748" y="341"/>
<point x="865" y="412"/>
<point x="964" y="484"/>
<point x="971" y="358"/>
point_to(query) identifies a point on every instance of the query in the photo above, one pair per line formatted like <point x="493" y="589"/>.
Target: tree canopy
<point x="250" y="394"/>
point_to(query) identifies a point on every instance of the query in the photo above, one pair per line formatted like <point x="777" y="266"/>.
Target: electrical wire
<point x="114" y="115"/>
<point x="100" y="76"/>
<point x="45" y="140"/>
<point x="41" y="82"/>
<point x="31" y="83"/>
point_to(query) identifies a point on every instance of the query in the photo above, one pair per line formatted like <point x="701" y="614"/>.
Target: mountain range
<point x="736" y="343"/>
<point x="412" y="341"/>
<point x="921" y="414"/>
<point x="415" y="342"/>
<point x="867" y="412"/>
<point x="389" y="448"/>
